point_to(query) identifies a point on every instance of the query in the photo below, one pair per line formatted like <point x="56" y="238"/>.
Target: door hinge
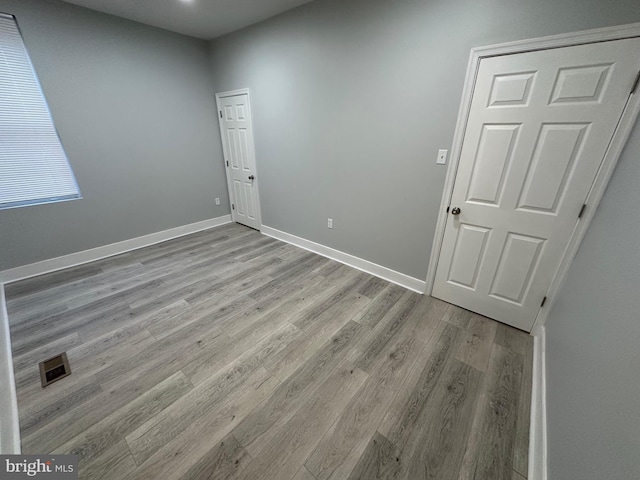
<point x="233" y="206"/>
<point x="448" y="208"/>
<point x="227" y="163"/>
<point x="584" y="207"/>
<point x="635" y="84"/>
<point x="544" y="300"/>
<point x="220" y="113"/>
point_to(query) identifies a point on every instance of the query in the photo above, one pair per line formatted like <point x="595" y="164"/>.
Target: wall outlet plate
<point x="330" y="223"/>
<point x="442" y="157"/>
<point x="217" y="201"/>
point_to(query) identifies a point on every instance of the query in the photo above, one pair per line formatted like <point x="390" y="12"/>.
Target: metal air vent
<point x="54" y="369"/>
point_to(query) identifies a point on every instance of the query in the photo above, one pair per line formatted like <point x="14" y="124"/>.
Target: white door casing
<point x="236" y="129"/>
<point x="538" y="128"/>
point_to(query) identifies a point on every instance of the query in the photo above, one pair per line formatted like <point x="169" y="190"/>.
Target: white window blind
<point x="33" y="165"/>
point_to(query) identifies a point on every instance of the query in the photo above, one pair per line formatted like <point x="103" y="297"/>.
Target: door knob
<point x="251" y="177"/>
<point x="455" y="211"/>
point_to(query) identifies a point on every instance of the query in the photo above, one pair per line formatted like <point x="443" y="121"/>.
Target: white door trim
<point x="618" y="141"/>
<point x="219" y="97"/>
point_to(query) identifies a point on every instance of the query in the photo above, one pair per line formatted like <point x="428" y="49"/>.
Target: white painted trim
<point x="9" y="426"/>
<point x="233" y="93"/>
<point x="458" y="137"/>
<point x="98" y="253"/>
<point x="538" y="426"/>
<point x="605" y="34"/>
<point x="385" y="273"/>
<point x="620" y="137"/>
<point x="225" y="155"/>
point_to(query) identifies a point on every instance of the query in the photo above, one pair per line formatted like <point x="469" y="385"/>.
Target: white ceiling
<point x="205" y="19"/>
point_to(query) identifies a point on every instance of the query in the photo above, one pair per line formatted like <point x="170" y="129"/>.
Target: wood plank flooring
<point x="230" y="355"/>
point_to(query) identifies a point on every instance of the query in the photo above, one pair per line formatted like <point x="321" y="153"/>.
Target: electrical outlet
<point x="442" y="157"/>
<point x="330" y="223"/>
<point x="217" y="201"/>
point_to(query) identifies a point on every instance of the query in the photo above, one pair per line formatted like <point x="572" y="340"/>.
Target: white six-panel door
<point x="239" y="154"/>
<point x="538" y="129"/>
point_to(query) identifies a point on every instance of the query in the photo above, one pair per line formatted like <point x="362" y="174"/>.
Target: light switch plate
<point x="442" y="157"/>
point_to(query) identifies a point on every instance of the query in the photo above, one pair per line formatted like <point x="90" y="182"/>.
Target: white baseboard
<point x="9" y="426"/>
<point x="366" y="266"/>
<point x="86" y="256"/>
<point x="538" y="429"/>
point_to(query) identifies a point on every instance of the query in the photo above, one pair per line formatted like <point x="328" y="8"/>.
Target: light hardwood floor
<point x="227" y="354"/>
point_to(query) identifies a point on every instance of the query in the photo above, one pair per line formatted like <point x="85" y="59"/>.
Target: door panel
<point x="467" y="255"/>
<point x="239" y="153"/>
<point x="553" y="160"/>
<point x="511" y="89"/>
<point x="581" y="84"/>
<point x="232" y="148"/>
<point x="516" y="267"/>
<point x="537" y="131"/>
<point x="239" y="198"/>
<point x="244" y="149"/>
<point x="249" y="195"/>
<point x="493" y="158"/>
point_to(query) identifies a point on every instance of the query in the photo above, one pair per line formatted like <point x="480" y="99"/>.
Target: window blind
<point x="34" y="168"/>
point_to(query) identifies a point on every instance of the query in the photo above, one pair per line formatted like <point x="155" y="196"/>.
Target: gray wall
<point x="353" y="98"/>
<point x="593" y="338"/>
<point x="135" y="109"/>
